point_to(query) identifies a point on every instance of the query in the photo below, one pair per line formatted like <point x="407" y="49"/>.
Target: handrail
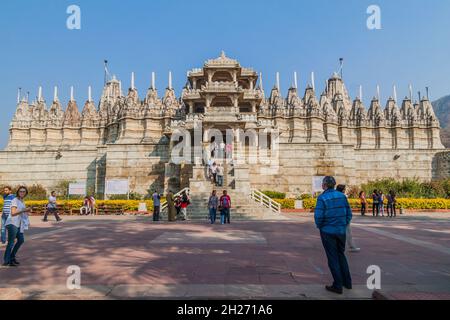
<point x="265" y="201"/>
<point x="164" y="204"/>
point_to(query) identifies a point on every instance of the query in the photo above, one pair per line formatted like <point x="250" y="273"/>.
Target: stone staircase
<point x="243" y="207"/>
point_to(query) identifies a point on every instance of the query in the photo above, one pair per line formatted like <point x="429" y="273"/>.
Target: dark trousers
<point x="52" y="211"/>
<point x="11" y="248"/>
<point x="334" y="245"/>
<point x="212" y="215"/>
<point x="391" y="210"/>
<point x="363" y="209"/>
<point x="375" y="207"/>
<point x="225" y="215"/>
<point x="156" y="213"/>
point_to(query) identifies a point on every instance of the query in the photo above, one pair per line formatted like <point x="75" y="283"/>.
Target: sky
<point x="37" y="48"/>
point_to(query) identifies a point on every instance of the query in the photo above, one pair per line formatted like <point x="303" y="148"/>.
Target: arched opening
<point x="245" y="107"/>
<point x="222" y="102"/>
<point x="222" y="76"/>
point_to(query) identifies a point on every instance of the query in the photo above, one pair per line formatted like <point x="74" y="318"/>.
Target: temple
<point x="127" y="137"/>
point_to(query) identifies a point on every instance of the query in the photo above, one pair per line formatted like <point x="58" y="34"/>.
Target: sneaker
<point x="333" y="289"/>
<point x="354" y="249"/>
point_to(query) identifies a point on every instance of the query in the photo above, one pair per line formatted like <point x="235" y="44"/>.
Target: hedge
<point x="405" y="203"/>
<point x="126" y="205"/>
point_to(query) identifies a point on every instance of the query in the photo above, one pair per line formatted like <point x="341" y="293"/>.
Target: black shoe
<point x="348" y="287"/>
<point x="15" y="261"/>
<point x="333" y="289"/>
<point x="5" y="265"/>
<point x="11" y="264"/>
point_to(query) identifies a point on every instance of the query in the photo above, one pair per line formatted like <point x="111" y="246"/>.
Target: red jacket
<point x="228" y="200"/>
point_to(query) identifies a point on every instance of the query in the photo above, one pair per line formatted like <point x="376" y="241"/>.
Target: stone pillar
<point x="191" y="107"/>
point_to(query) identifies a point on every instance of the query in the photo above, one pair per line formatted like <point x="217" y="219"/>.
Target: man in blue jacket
<point x="332" y="215"/>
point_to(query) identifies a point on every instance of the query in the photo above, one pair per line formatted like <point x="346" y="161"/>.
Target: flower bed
<point x="405" y="203"/>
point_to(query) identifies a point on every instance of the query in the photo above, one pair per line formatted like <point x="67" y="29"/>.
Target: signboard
<point x="77" y="188"/>
<point x="317" y="183"/>
<point x="116" y="187"/>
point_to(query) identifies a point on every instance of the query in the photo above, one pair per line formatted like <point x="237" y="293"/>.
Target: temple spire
<point x="395" y="93"/>
<point x="40" y="94"/>
<point x="71" y="94"/>
<point x="18" y="95"/>
<point x="170" y="80"/>
<point x="132" y="81"/>
<point x="295" y="80"/>
<point x="360" y="93"/>
<point x="55" y="94"/>
<point x="378" y="92"/>
<point x="153" y="81"/>
<point x="89" y="94"/>
<point x="278" y="81"/>
<point x="313" y="81"/>
<point x="410" y="92"/>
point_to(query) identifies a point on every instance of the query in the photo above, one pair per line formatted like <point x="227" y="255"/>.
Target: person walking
<point x="156" y="205"/>
<point x="375" y="203"/>
<point x="51" y="207"/>
<point x="8" y="197"/>
<point x="362" y="198"/>
<point x="170" y="207"/>
<point x="350" y="243"/>
<point x="219" y="173"/>
<point x="332" y="215"/>
<point x="16" y="223"/>
<point x="381" y="202"/>
<point x="177" y="202"/>
<point x="225" y="206"/>
<point x="185" y="202"/>
<point x="214" y="173"/>
<point x="213" y="204"/>
<point x="222" y="150"/>
<point x="391" y="198"/>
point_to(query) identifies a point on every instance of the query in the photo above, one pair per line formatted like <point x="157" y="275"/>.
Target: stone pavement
<point x="127" y="257"/>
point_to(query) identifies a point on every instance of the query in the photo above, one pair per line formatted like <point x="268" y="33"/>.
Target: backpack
<point x="225" y="202"/>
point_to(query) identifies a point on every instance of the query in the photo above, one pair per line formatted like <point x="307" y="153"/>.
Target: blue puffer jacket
<point x="333" y="212"/>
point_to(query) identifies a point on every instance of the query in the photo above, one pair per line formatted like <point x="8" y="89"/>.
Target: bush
<point x="407" y="188"/>
<point x="132" y="196"/>
<point x="274" y="194"/>
<point x="35" y="192"/>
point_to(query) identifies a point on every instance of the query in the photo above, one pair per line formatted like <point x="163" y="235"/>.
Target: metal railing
<point x="265" y="201"/>
<point x="164" y="204"/>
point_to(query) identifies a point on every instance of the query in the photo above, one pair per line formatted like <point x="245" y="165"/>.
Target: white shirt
<point x="16" y="220"/>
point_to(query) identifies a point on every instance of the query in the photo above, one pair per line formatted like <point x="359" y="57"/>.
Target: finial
<point x="40" y="94"/>
<point x="71" y="94"/>
<point x="261" y="81"/>
<point x="295" y="80"/>
<point x="410" y="92"/>
<point x="153" y="81"/>
<point x="222" y="54"/>
<point x="132" y="81"/>
<point x="312" y="81"/>
<point x="395" y="93"/>
<point x="378" y="92"/>
<point x="360" y="93"/>
<point x="19" y="90"/>
<point x="278" y="81"/>
<point x="55" y="94"/>
<point x="120" y="89"/>
<point x="170" y="80"/>
<point x="89" y="94"/>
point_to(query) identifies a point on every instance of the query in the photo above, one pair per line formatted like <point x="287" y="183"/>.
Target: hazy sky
<point x="37" y="48"/>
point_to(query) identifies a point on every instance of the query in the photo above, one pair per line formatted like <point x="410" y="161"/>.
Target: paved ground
<point x="132" y="257"/>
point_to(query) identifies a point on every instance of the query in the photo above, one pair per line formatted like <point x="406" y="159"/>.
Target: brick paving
<point x="131" y="257"/>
